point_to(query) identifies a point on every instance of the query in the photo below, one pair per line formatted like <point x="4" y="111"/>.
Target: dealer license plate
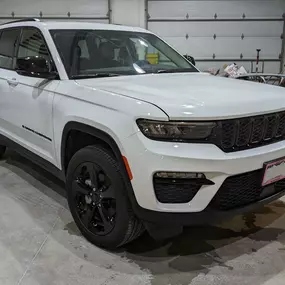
<point x="274" y="171"/>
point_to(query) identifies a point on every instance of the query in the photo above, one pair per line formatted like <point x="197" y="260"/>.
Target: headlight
<point x="175" y="131"/>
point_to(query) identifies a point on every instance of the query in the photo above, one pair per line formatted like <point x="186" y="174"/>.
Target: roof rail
<point x="22" y="20"/>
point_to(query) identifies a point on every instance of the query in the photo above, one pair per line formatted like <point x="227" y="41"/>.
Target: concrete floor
<point x="40" y="244"/>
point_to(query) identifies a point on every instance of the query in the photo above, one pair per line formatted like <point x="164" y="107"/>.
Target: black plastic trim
<point x="75" y="126"/>
<point x="33" y="157"/>
<point x="205" y="217"/>
<point x="163" y="218"/>
<point x="112" y="144"/>
<point x="20" y="20"/>
<point x="60" y="173"/>
<point x="37" y="133"/>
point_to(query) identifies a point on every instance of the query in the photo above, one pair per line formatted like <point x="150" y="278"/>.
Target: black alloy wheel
<point x="98" y="200"/>
<point x="95" y="198"/>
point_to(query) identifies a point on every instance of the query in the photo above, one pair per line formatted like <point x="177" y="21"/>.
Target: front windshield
<point x="87" y="53"/>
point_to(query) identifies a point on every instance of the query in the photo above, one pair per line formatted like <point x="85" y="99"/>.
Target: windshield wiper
<point x="176" y="70"/>
<point x="93" y="75"/>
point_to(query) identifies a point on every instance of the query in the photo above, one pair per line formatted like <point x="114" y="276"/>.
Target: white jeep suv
<point x="142" y="139"/>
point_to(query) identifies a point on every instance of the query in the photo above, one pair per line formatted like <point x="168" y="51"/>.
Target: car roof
<point x="70" y="25"/>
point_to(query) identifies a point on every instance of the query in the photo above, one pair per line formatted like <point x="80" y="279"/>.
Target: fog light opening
<point x="178" y="187"/>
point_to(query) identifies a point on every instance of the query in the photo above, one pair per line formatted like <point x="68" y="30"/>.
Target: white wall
<point x="128" y="12"/>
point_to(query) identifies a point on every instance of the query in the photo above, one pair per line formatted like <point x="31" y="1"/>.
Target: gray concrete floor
<point x="40" y="244"/>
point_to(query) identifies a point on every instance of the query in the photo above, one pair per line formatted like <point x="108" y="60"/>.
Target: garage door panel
<point x="208" y="29"/>
<point x="91" y="8"/>
<point x="101" y="21"/>
<point x="269" y="67"/>
<point x="223" y="9"/>
<point x="231" y="48"/>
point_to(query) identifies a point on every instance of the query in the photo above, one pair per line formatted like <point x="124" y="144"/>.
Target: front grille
<point x="175" y="191"/>
<point x="246" y="133"/>
<point x="243" y="189"/>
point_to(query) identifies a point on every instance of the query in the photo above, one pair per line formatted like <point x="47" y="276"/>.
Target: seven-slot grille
<point x="245" y="133"/>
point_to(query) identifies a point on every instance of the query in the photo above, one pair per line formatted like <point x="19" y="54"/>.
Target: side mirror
<point x="191" y="59"/>
<point x="34" y="66"/>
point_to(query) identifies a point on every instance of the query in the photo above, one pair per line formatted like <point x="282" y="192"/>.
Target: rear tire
<point x="98" y="200"/>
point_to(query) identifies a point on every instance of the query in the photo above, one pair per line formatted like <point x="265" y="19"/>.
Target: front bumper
<point x="200" y="218"/>
<point x="147" y="157"/>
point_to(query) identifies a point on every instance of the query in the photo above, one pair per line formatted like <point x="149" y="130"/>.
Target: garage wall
<point x="216" y="32"/>
<point x="126" y="12"/>
<point x="92" y="10"/>
<point x="129" y="12"/>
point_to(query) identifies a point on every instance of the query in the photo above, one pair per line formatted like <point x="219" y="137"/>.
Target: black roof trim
<point x="22" y="20"/>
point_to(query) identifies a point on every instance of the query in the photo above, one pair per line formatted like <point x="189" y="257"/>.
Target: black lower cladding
<point x="176" y="191"/>
<point x="236" y="191"/>
<point x="244" y="189"/>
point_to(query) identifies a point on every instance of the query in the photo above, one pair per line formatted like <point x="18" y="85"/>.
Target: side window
<point x="32" y="44"/>
<point x="8" y="41"/>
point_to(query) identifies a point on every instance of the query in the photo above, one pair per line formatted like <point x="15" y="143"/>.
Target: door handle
<point x="12" y="82"/>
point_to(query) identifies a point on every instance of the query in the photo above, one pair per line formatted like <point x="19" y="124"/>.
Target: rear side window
<point x="8" y="41"/>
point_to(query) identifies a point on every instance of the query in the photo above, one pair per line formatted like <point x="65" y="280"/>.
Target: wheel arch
<point x="107" y="138"/>
<point x="91" y="131"/>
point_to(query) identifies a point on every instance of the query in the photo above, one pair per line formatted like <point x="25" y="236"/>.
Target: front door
<point x="30" y="100"/>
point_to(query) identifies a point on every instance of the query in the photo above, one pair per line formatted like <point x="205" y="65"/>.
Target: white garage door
<point x="216" y="32"/>
<point x="91" y="10"/>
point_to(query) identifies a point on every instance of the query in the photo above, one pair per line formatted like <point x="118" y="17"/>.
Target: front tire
<point x="98" y="200"/>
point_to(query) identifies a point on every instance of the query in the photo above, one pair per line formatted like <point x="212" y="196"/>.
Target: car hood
<point x="195" y="95"/>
